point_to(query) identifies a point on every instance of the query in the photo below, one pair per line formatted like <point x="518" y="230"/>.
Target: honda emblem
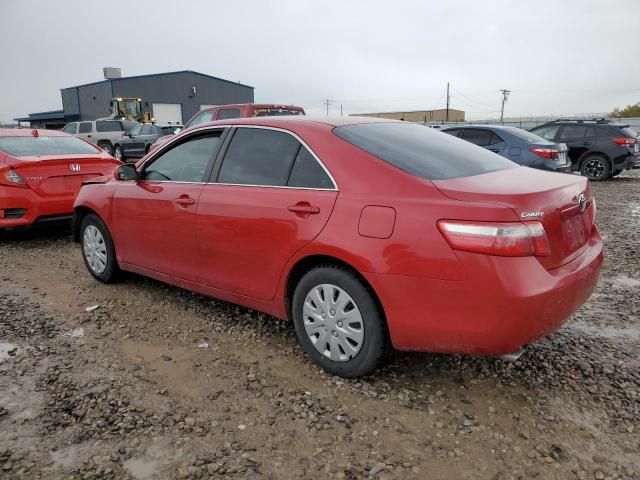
<point x="582" y="202"/>
<point x="74" y="167"/>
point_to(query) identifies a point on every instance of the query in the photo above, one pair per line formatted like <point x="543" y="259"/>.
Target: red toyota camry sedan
<point x="41" y="172"/>
<point x="363" y="232"/>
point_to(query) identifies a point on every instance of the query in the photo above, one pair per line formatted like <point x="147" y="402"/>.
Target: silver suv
<point x="103" y="133"/>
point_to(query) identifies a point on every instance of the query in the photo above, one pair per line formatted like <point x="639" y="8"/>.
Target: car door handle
<point x="303" y="208"/>
<point x="185" y="201"/>
<point x="88" y="136"/>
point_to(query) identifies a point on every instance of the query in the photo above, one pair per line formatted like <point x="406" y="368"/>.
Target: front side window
<point x="36" y="146"/>
<point x="202" y="118"/>
<point x="135" y="130"/>
<point x="70" y="128"/>
<point x="453" y="131"/>
<point x="477" y="136"/>
<point x="146" y="130"/>
<point x="421" y="151"/>
<point x="186" y="162"/>
<point x="259" y="157"/>
<point x="228" y="113"/>
<point x="85" y="127"/>
<point x="548" y="132"/>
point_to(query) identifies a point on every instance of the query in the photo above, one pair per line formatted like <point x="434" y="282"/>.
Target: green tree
<point x="627" y="112"/>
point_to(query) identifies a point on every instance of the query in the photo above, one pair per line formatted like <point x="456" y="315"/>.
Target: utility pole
<point x="448" y="99"/>
<point x="326" y="103"/>
<point x="505" y="94"/>
<point x="340" y="109"/>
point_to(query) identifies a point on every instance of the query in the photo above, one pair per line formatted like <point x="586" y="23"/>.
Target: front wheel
<point x="107" y="147"/>
<point x="338" y="322"/>
<point x="595" y="168"/>
<point x="98" y="251"/>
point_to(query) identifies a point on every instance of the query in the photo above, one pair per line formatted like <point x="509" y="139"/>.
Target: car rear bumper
<point x="503" y="304"/>
<point x="22" y="206"/>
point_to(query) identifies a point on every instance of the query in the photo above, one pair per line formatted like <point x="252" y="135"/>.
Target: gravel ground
<point x="160" y="383"/>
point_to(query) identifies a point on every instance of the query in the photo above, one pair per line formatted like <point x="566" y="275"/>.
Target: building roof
<point x="49" y="115"/>
<point x="158" y="75"/>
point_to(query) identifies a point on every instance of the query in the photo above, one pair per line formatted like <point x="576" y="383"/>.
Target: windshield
<point x="129" y="108"/>
<point x="36" y="146"/>
<point x="276" y="112"/>
<point x="423" y="152"/>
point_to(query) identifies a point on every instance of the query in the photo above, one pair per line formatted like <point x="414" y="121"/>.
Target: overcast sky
<point x="556" y="56"/>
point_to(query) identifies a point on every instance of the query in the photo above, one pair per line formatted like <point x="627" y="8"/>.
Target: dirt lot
<point x="160" y="383"/>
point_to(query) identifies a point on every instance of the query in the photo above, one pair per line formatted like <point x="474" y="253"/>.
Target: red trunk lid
<point x="60" y="175"/>
<point x="534" y="195"/>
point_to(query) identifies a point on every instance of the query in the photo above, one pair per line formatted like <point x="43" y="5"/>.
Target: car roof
<point x="29" y="132"/>
<point x="299" y="120"/>
<point x="504" y="128"/>
<point x="254" y="105"/>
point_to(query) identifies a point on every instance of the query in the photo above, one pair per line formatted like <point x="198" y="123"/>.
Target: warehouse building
<point x="424" y="116"/>
<point x="168" y="97"/>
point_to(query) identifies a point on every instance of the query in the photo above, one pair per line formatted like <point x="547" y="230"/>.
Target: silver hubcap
<point x="333" y="322"/>
<point x="95" y="250"/>
<point x="118" y="154"/>
<point x="594" y="168"/>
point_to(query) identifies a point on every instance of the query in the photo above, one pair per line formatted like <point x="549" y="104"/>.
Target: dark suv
<point x="598" y="148"/>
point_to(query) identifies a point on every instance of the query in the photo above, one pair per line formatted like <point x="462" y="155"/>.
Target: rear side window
<point x="108" y="126"/>
<point x="421" y="151"/>
<point x="186" y="162"/>
<point x="202" y="118"/>
<point x="495" y="139"/>
<point x="36" y="146"/>
<point x="477" y="136"/>
<point x="259" y="157"/>
<point x="308" y="173"/>
<point x="454" y="132"/>
<point x="228" y="113"/>
<point x="85" y="127"/>
<point x="573" y="131"/>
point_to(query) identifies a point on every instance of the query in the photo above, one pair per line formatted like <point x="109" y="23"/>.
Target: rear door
<point x="85" y="130"/>
<point x="155" y="216"/>
<point x="575" y="137"/>
<point x="269" y="197"/>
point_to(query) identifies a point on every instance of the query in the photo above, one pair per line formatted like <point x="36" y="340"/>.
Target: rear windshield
<point x="423" y="152"/>
<point x="276" y="112"/>
<point x="35" y="146"/>
<point x="629" y="132"/>
<point x="526" y="136"/>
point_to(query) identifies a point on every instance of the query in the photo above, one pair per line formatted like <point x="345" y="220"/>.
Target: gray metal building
<point x="173" y="96"/>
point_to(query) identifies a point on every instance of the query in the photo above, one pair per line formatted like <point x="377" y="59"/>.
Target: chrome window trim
<point x="263" y="127"/>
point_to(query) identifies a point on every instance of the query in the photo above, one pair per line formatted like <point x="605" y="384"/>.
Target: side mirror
<point x="125" y="173"/>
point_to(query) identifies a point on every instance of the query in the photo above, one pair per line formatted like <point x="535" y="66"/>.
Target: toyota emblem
<point x="582" y="202"/>
<point x="74" y="167"/>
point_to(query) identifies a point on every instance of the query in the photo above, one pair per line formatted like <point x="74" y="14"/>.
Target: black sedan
<point x="137" y="141"/>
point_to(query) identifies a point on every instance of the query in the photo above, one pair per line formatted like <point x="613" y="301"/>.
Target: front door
<point x="271" y="197"/>
<point x="155" y="216"/>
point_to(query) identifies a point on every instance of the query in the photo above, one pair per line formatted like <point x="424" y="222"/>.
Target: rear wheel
<point x="119" y="154"/>
<point x="107" y="147"/>
<point x="595" y="168"/>
<point x="338" y="322"/>
<point x="98" y="251"/>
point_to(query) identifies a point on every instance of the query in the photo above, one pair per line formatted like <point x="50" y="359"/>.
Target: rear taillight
<point x="502" y="239"/>
<point x="8" y="176"/>
<point x="548" y="153"/>
<point x="624" y="141"/>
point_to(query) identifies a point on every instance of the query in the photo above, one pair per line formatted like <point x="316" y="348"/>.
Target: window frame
<point x="84" y="123"/>
<point x="213" y="160"/>
<point x="213" y="178"/>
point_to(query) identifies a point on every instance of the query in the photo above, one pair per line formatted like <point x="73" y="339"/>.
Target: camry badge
<point x="531" y="214"/>
<point x="582" y="202"/>
<point x="74" y="167"/>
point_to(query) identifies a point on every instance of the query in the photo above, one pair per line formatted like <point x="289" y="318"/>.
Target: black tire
<point x="111" y="270"/>
<point x="119" y="154"/>
<point x="596" y="168"/>
<point x="107" y="147"/>
<point x="375" y="338"/>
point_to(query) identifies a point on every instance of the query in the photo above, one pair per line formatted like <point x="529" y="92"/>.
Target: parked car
<point x="102" y="133"/>
<point x="460" y="251"/>
<point x="517" y="145"/>
<point x="598" y="148"/>
<point x="138" y="140"/>
<point x="240" y="110"/>
<point x="41" y="172"/>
